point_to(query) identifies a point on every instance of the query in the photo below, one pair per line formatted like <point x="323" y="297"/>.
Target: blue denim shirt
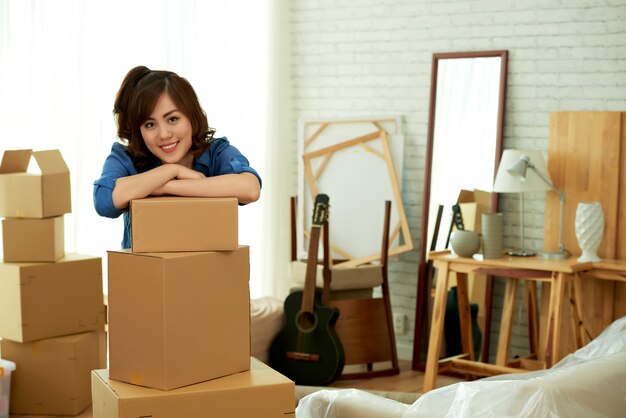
<point x="220" y="158"/>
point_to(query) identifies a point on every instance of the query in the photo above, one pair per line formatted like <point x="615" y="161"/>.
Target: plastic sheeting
<point x="588" y="383"/>
<point x="348" y="403"/>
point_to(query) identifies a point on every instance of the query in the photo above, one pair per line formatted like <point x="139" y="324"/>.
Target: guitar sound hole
<point x="306" y="321"/>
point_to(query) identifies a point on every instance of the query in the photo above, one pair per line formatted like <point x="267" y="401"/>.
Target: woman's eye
<point x="148" y="125"/>
<point x="173" y="119"/>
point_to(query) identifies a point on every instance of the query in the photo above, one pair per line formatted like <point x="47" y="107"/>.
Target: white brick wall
<point x="366" y="57"/>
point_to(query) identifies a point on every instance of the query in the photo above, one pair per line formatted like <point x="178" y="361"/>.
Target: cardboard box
<point x="28" y="240"/>
<point x="26" y="195"/>
<point x="176" y="319"/>
<point x="164" y="224"/>
<point x="53" y="375"/>
<point x="473" y="204"/>
<point x="45" y="300"/>
<point x="260" y="393"/>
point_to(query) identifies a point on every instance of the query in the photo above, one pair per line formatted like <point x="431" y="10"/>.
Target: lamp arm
<point x="544" y="178"/>
<point x="561" y="202"/>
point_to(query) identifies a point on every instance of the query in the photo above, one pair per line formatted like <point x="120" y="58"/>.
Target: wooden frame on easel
<point x="354" y="165"/>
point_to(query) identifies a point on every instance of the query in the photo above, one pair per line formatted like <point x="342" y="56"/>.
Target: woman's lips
<point x="169" y="147"/>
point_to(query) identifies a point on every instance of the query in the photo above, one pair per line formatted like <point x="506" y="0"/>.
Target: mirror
<point x="463" y="150"/>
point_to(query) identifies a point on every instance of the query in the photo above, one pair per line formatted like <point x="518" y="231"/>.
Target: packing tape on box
<point x="137" y="378"/>
<point x="36" y="347"/>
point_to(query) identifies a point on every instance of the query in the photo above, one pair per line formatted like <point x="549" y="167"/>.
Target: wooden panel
<point x="585" y="159"/>
<point x="619" y="307"/>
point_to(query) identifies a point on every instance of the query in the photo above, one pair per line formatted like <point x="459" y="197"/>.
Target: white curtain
<point x="61" y="63"/>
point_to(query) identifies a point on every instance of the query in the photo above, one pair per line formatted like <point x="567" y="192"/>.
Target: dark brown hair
<point x="136" y="100"/>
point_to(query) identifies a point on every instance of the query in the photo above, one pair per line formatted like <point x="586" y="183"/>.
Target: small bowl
<point x="465" y="243"/>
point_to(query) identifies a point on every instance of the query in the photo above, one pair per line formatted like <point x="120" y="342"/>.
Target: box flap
<point x="165" y="255"/>
<point x="258" y="375"/>
<point x="178" y="199"/>
<point x="15" y="161"/>
<point x="51" y="162"/>
<point x="481" y="197"/>
<point x="465" y="196"/>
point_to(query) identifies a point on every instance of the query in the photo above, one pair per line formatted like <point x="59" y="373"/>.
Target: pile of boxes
<point x="51" y="303"/>
<point x="179" y="319"/>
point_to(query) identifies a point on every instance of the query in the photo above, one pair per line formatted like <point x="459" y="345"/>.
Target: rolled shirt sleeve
<point x="223" y="158"/>
<point x="118" y="164"/>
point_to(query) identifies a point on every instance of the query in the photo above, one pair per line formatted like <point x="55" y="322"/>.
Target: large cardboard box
<point x="28" y="240"/>
<point x="53" y="375"/>
<point x="27" y="195"/>
<point x="260" y="393"/>
<point x="45" y="300"/>
<point x="164" y="224"/>
<point x="176" y="319"/>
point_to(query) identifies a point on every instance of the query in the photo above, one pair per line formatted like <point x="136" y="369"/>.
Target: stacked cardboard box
<point x="179" y="319"/>
<point x="51" y="306"/>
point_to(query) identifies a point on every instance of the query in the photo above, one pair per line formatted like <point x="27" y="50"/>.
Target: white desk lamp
<point x="513" y="177"/>
<point x="519" y="169"/>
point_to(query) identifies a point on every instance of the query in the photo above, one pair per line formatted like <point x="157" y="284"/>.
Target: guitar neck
<point x="308" y="297"/>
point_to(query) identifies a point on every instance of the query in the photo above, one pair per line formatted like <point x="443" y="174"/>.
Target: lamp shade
<point x="514" y="175"/>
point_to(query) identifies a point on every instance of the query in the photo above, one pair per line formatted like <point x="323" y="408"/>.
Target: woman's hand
<point x="243" y="186"/>
<point x="151" y="182"/>
<point x="182" y="173"/>
<point x="185" y="173"/>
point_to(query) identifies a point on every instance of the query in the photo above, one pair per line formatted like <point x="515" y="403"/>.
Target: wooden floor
<point x="408" y="380"/>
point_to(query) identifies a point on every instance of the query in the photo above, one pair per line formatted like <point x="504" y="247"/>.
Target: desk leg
<point x="578" y="301"/>
<point x="555" y="313"/>
<point x="465" y="316"/>
<point x="575" y="312"/>
<point x="533" y="317"/>
<point x="436" y="327"/>
<point x="506" y="322"/>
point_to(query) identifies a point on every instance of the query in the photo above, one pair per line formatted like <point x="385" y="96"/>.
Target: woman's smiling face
<point x="167" y="132"/>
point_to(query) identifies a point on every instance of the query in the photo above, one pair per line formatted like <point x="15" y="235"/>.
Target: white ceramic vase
<point x="589" y="230"/>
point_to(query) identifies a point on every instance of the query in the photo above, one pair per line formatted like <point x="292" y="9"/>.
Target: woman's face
<point x="167" y="132"/>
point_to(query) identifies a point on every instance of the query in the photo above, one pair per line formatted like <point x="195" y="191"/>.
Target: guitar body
<point x="313" y="356"/>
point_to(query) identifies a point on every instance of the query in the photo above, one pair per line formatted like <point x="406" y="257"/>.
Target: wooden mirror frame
<point x="422" y="299"/>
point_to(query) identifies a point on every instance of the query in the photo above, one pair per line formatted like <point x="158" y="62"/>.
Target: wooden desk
<point x="608" y="270"/>
<point x="609" y="298"/>
<point x="555" y="272"/>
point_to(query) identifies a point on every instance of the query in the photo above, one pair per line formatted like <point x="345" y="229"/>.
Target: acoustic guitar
<point x="307" y="350"/>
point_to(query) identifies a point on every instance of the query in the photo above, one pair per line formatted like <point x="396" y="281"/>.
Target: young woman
<point x="168" y="149"/>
